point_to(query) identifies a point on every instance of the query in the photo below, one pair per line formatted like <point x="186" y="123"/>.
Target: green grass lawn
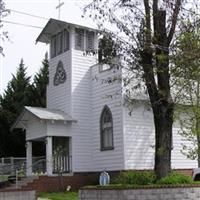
<point x="59" y="195"/>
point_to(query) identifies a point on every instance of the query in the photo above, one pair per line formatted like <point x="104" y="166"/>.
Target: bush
<point x="135" y="178"/>
<point x="175" y="178"/>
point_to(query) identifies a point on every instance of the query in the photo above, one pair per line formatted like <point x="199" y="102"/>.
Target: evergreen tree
<point x="38" y="97"/>
<point x="17" y="93"/>
<point x="12" y="102"/>
<point x="38" y="88"/>
<point x="20" y="93"/>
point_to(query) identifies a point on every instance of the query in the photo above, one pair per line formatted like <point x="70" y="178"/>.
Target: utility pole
<point x="60" y="4"/>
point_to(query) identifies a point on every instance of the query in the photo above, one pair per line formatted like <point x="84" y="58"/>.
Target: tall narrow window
<point x="66" y="40"/>
<point x="79" y="39"/>
<point x="53" y="46"/>
<point x="59" y="39"/>
<point x="90" y="41"/>
<point x="106" y="129"/>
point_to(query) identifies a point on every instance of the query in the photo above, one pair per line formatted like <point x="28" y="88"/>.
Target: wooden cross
<point x="59" y="8"/>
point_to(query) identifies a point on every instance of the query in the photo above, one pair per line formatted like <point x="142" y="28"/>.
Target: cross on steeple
<point x="59" y="8"/>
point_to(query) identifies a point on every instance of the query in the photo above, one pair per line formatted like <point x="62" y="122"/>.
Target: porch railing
<point x="62" y="164"/>
<point x="9" y="165"/>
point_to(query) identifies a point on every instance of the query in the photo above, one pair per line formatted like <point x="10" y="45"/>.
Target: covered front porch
<point x="57" y="158"/>
<point x="52" y="128"/>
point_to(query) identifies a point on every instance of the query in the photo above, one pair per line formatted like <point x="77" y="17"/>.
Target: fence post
<point x="16" y="181"/>
<point x="2" y="161"/>
<point x="12" y="164"/>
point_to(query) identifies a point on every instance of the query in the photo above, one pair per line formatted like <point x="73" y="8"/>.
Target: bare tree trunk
<point x="159" y="91"/>
<point x="163" y="120"/>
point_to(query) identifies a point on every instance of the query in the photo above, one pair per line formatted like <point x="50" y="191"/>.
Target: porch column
<point x="49" y="156"/>
<point x="28" y="158"/>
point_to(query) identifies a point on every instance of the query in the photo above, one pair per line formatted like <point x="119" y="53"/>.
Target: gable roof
<point x="49" y="114"/>
<point x="54" y="25"/>
<point x="42" y="114"/>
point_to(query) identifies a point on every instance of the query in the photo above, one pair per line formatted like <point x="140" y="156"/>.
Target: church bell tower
<point x="73" y="50"/>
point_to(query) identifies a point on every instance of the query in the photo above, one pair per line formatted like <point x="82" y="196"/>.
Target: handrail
<point x="36" y="162"/>
<point x="20" y="168"/>
<point x="24" y="170"/>
<point x="18" y="158"/>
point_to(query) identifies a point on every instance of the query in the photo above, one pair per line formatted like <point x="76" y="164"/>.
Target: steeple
<point x="72" y="53"/>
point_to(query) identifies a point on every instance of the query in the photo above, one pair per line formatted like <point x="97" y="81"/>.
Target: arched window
<point x="106" y="129"/>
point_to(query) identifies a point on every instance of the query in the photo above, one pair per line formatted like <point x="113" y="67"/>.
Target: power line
<point x="21" y="24"/>
<point x="28" y="14"/>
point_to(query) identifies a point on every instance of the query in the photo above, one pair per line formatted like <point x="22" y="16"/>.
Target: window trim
<point x="103" y="148"/>
<point x="53" y="46"/>
<point x="77" y="34"/>
<point x="66" y="40"/>
<point x="59" y="41"/>
<point x="58" y="44"/>
<point x="88" y="35"/>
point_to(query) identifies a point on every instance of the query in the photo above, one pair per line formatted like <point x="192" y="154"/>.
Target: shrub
<point x="175" y="178"/>
<point x="135" y="178"/>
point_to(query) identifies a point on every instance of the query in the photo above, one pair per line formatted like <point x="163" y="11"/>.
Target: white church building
<point x="86" y="127"/>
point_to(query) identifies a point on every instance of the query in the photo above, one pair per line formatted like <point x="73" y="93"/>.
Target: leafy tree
<point x="3" y="13"/>
<point x="144" y="32"/>
<point x="107" y="49"/>
<point x="185" y="69"/>
<point x="38" y="89"/>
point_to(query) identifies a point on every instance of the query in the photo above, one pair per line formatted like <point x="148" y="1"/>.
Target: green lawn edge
<point x="59" y="195"/>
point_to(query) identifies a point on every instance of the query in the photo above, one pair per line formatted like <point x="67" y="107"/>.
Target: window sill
<point x="107" y="148"/>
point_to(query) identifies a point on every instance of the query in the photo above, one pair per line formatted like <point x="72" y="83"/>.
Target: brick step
<point x="61" y="183"/>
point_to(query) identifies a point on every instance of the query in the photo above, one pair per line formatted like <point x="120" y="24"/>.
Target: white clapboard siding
<point x="35" y="128"/>
<point x="101" y="96"/>
<point x="179" y="160"/>
<point x="59" y="128"/>
<point x="59" y="97"/>
<point x="81" y="110"/>
<point x="140" y="141"/>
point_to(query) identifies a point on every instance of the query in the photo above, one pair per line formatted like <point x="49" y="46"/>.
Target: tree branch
<point x="147" y="22"/>
<point x="174" y="20"/>
<point x="155" y="14"/>
<point x="146" y="56"/>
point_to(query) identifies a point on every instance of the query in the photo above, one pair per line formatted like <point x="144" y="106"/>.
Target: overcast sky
<point x="22" y="44"/>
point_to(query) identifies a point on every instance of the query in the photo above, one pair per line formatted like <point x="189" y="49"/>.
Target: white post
<point x="28" y="158"/>
<point x="49" y="156"/>
<point x="12" y="165"/>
